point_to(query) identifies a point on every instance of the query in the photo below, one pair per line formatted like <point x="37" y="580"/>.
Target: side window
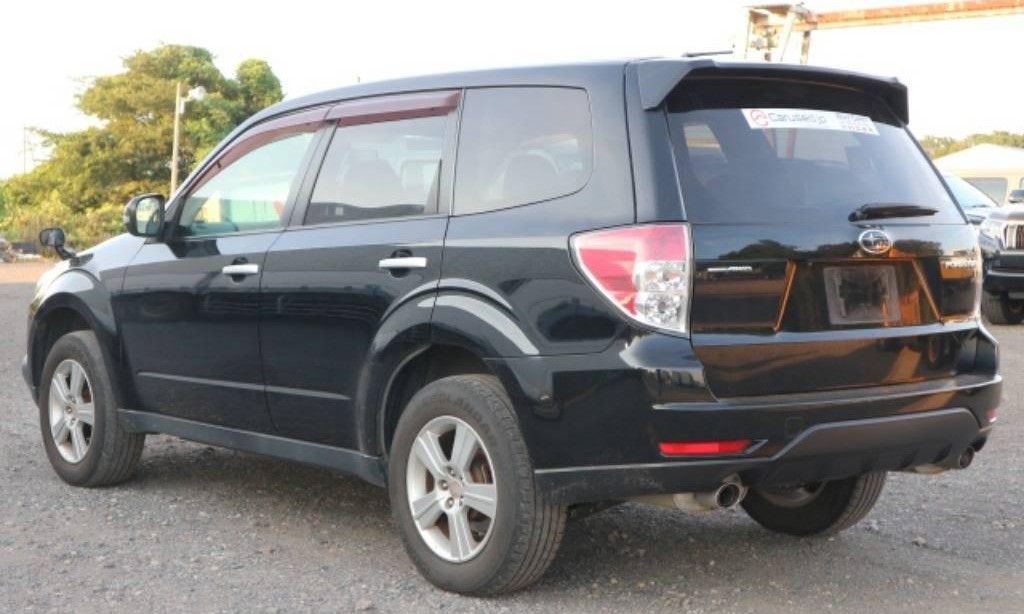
<point x="249" y="193"/>
<point x="995" y="187"/>
<point x="522" y="145"/>
<point x="379" y="170"/>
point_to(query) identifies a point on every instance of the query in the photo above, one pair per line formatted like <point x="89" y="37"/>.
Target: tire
<point x="110" y="453"/>
<point x="1001" y="310"/>
<point x="518" y="543"/>
<point x="823" y="509"/>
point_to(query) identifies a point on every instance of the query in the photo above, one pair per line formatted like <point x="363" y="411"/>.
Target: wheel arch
<point x="74" y="301"/>
<point x="462" y="333"/>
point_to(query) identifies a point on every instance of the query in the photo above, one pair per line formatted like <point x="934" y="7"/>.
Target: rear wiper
<point x="874" y="211"/>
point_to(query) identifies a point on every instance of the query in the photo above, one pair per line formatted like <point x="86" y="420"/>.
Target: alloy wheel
<point x="72" y="411"/>
<point x="451" y="489"/>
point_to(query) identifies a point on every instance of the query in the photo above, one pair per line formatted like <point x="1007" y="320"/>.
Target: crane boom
<point x="770" y="26"/>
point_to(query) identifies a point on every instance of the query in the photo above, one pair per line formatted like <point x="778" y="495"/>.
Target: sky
<point x="964" y="76"/>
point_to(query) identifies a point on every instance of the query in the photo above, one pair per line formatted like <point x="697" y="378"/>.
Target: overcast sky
<point x="964" y="76"/>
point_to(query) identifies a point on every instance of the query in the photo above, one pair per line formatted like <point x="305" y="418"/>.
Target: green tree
<point x="938" y="146"/>
<point x="91" y="173"/>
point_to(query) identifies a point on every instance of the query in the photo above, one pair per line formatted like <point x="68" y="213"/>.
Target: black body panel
<point x="323" y="302"/>
<point x="191" y="333"/>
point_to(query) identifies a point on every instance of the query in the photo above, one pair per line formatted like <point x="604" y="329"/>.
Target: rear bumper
<point x="1000" y="281"/>
<point x="823" y="452"/>
<point x="593" y="422"/>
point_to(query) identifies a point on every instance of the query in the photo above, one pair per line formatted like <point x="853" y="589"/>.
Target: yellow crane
<point x="769" y="27"/>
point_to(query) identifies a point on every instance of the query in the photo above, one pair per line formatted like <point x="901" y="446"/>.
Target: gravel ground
<point x="210" y="530"/>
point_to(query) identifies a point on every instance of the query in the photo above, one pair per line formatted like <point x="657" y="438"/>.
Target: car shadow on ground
<point x="601" y="552"/>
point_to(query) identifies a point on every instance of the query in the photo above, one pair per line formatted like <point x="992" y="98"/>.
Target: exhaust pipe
<point x="963" y="461"/>
<point x="728" y="495"/>
<point x="966" y="458"/>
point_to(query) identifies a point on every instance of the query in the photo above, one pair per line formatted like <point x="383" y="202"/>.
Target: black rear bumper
<point x="823" y="452"/>
<point x="1000" y="281"/>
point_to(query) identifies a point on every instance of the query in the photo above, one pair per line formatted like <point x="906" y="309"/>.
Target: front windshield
<point x="966" y="194"/>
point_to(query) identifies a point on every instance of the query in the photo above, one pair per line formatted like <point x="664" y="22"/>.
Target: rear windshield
<point x="769" y="151"/>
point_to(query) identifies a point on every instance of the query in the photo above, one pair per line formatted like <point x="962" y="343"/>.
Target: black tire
<point x="1001" y="310"/>
<point x="827" y="509"/>
<point x="526" y="531"/>
<point x="112" y="452"/>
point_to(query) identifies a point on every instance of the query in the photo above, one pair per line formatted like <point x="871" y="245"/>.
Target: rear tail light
<point x="643" y="270"/>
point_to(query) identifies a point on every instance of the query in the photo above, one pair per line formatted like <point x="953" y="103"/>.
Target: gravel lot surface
<point x="201" y="529"/>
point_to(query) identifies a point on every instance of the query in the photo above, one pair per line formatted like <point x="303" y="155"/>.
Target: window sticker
<point x="769" y="119"/>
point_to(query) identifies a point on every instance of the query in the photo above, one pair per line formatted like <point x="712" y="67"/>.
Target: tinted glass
<point x="758" y="151"/>
<point x="249" y="194"/>
<point x="522" y="145"/>
<point x="995" y="187"/>
<point x="966" y="194"/>
<point x="388" y="169"/>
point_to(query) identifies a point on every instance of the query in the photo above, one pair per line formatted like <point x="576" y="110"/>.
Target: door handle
<point x="241" y="269"/>
<point x="407" y="262"/>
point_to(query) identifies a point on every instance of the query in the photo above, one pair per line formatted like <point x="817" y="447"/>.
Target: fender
<point x="458" y="317"/>
<point x="80" y="292"/>
<point x="86" y="285"/>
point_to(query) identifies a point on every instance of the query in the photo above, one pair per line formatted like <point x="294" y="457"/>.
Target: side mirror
<point x="1016" y="197"/>
<point x="54" y="237"/>
<point x="144" y="215"/>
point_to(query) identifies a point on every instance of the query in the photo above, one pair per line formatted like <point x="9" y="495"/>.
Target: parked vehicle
<point x="503" y="294"/>
<point x="976" y="204"/>
<point x="1001" y="237"/>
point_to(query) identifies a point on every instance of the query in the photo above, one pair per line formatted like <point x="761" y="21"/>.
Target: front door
<point x="367" y="242"/>
<point x="190" y="303"/>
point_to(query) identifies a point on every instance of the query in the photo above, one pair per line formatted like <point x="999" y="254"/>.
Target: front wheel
<point x="999" y="309"/>
<point x="462" y="490"/>
<point x="84" y="440"/>
<point x="822" y="508"/>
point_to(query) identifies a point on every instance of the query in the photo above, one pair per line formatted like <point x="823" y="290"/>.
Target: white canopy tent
<point x="994" y="169"/>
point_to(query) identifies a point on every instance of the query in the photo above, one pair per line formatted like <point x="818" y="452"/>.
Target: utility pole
<point x="174" y="148"/>
<point x="196" y="93"/>
<point x="24" y="149"/>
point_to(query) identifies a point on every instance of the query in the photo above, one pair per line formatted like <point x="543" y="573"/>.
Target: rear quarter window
<point x="520" y="145"/>
<point x="760" y="151"/>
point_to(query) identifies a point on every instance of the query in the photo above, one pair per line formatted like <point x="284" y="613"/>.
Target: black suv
<point x="511" y="293"/>
<point x="1001" y="236"/>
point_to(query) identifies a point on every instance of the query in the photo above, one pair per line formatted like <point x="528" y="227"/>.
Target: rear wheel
<point x="822" y="508"/>
<point x="84" y="441"/>
<point x="999" y="309"/>
<point x="462" y="490"/>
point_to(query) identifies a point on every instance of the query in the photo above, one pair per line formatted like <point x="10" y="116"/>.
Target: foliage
<point x="938" y="146"/>
<point x="91" y="173"/>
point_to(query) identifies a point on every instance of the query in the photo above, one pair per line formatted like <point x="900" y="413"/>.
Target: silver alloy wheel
<point x="451" y="489"/>
<point x="72" y="411"/>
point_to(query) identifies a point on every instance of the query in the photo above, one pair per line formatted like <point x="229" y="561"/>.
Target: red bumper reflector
<point x="703" y="448"/>
<point x="991" y="415"/>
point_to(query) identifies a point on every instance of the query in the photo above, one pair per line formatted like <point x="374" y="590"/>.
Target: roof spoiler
<point x="657" y="79"/>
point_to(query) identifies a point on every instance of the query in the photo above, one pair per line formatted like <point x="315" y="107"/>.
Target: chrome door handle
<point x="408" y="262"/>
<point x="241" y="269"/>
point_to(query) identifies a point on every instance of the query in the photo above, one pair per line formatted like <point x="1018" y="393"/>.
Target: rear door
<point x="366" y="240"/>
<point x="827" y="252"/>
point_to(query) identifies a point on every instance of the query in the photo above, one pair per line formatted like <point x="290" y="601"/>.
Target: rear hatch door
<point x="828" y="254"/>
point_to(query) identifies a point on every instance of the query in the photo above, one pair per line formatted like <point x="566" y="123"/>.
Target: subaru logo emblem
<point x="875" y="241"/>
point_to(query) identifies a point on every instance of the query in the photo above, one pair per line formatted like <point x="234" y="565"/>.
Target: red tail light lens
<point x="703" y="448"/>
<point x="643" y="270"/>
